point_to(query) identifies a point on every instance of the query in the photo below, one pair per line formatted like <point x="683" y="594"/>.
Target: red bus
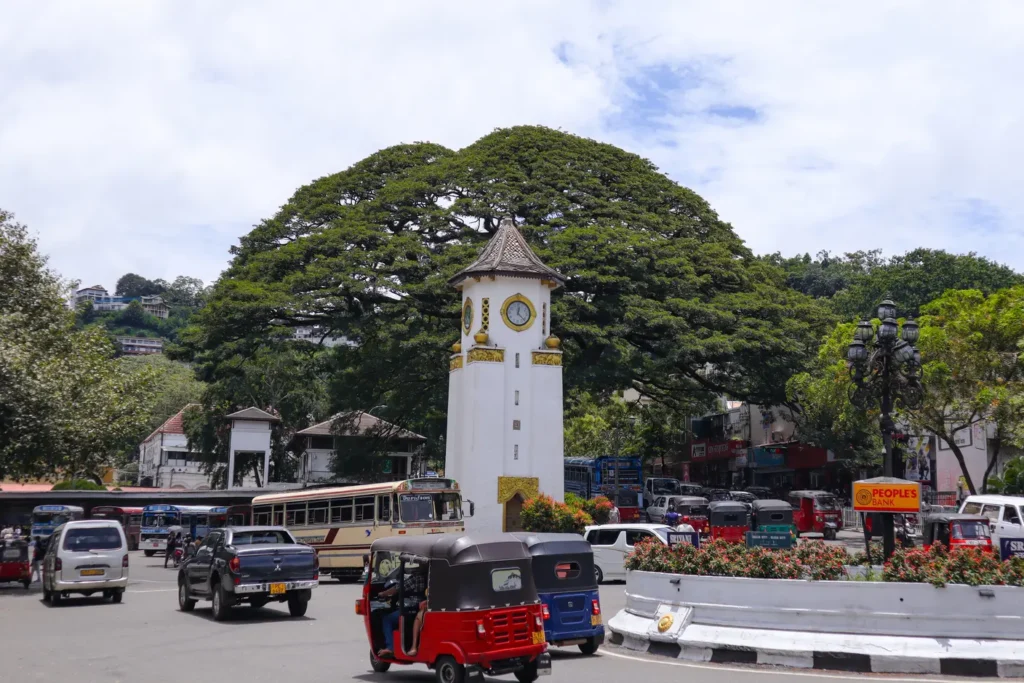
<point x="130" y="519"/>
<point x="239" y="515"/>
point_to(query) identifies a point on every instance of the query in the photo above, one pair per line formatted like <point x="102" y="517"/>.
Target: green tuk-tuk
<point x="771" y="515"/>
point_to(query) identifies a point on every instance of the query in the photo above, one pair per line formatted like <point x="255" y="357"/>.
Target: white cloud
<point x="150" y="136"/>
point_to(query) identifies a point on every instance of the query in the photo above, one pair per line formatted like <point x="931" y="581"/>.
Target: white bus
<point x="342" y="522"/>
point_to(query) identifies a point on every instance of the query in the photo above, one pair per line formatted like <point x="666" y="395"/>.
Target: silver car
<point x="656" y="513"/>
<point x="86" y="557"/>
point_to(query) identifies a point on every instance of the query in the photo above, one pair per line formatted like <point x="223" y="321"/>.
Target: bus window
<point x="384" y="508"/>
<point x="295" y="514"/>
<point x="341" y="511"/>
<point x="364" y="509"/>
<point x="317" y="512"/>
<point x="261" y="515"/>
<point x="278" y="515"/>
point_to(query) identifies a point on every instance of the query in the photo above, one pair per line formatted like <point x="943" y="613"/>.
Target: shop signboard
<point x="770" y="539"/>
<point x="887" y="495"/>
<point x="765" y="457"/>
<point x="1011" y="547"/>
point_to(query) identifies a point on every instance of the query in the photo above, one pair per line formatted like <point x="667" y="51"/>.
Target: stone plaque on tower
<point x="504" y="442"/>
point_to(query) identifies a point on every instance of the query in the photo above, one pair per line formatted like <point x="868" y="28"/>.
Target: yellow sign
<point x="904" y="497"/>
<point x="539" y="637"/>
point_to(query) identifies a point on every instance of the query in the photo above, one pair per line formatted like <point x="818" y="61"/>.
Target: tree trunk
<point x="963" y="465"/>
<point x="997" y="444"/>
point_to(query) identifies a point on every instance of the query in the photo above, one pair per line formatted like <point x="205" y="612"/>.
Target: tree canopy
<point x="661" y="294"/>
<point x="131" y="284"/>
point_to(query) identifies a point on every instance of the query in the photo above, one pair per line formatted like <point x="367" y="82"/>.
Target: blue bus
<point x="195" y="520"/>
<point x="46" y="518"/>
<point x="592" y="477"/>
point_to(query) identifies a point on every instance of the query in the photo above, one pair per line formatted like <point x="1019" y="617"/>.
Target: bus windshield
<point x="161" y="519"/>
<point x="430" y="507"/>
<point x="50" y="518"/>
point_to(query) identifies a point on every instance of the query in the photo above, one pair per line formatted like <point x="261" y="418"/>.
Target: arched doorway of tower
<point x="514" y="513"/>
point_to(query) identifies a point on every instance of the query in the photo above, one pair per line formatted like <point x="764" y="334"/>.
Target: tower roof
<point x="508" y="254"/>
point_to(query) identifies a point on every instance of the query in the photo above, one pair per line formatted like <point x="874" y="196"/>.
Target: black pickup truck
<point x="253" y="564"/>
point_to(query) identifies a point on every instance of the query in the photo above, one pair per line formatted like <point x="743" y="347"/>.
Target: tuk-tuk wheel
<point x="830" y="534"/>
<point x="528" y="674"/>
<point x="27" y="584"/>
<point x="377" y="665"/>
<point x="589" y="647"/>
<point x="448" y="670"/>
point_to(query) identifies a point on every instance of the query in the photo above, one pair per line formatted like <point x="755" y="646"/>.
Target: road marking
<point x="155" y="590"/>
<point x="759" y="671"/>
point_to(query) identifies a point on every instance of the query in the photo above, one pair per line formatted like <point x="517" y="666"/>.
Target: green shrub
<point x="543" y="514"/>
<point x="78" y="485"/>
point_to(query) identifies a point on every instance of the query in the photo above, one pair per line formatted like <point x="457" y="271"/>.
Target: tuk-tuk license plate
<point x="595" y="620"/>
<point x="277" y="589"/>
<point x="91" y="572"/>
<point x="539" y="637"/>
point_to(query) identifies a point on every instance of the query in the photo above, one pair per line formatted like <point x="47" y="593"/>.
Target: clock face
<point x="467" y="315"/>
<point x="518" y="313"/>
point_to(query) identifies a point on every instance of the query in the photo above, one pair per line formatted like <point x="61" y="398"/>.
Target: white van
<point x="86" y="557"/>
<point x="1005" y="515"/>
<point x="612" y="542"/>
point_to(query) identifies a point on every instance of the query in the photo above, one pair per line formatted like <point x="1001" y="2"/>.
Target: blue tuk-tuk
<point x="563" y="572"/>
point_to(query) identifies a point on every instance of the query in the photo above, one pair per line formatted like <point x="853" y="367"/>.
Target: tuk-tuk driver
<point x="415" y="590"/>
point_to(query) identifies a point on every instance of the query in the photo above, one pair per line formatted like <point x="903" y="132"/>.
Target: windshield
<point x="826" y="503"/>
<point x="665" y="487"/>
<point x="627" y="498"/>
<point x="662" y="532"/>
<point x="260" y="537"/>
<point x="161" y="519"/>
<point x="718" y="495"/>
<point x="84" y="539"/>
<point x="430" y="507"/>
<point x="970" y="530"/>
<point x="50" y="518"/>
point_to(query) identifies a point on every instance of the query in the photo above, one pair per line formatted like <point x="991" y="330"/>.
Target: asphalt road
<point x="147" y="640"/>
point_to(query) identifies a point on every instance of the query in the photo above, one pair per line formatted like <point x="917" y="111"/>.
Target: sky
<point x="149" y="136"/>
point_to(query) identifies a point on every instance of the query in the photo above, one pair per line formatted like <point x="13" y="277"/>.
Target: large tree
<point x="66" y="406"/>
<point x="661" y="294"/>
<point x="131" y="284"/>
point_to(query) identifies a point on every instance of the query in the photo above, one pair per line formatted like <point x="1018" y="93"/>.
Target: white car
<point x="1005" y="515"/>
<point x="612" y="542"/>
<point x="86" y="557"/>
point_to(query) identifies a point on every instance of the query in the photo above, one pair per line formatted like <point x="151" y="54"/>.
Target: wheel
<point x="185" y="603"/>
<point x="528" y="673"/>
<point x="220" y="604"/>
<point x="598" y="574"/>
<point x="149" y="553"/>
<point x="55" y="598"/>
<point x="378" y="666"/>
<point x="830" y="534"/>
<point x="117" y="597"/>
<point x="297" y="606"/>
<point x="447" y="670"/>
<point x="27" y="584"/>
<point x="589" y="647"/>
<point x="647" y="517"/>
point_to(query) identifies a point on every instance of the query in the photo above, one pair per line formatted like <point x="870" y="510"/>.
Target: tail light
<point x="480" y="630"/>
<point x="58" y="565"/>
<point x="359" y="607"/>
<point x="547" y="614"/>
<point x="538" y="621"/>
<point x="124" y="561"/>
<point x="595" y="608"/>
<point x="235" y="565"/>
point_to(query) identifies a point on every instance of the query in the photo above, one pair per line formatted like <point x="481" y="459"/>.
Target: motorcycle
<point x="176" y="558"/>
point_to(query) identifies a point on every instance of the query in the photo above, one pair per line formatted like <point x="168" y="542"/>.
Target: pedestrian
<point x="172" y="543"/>
<point x="37" y="557"/>
<point x="613" y="516"/>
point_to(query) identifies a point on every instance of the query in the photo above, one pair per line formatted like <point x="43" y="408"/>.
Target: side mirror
<point x="472" y="508"/>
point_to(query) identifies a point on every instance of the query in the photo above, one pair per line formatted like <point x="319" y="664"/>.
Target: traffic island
<point x="878" y="627"/>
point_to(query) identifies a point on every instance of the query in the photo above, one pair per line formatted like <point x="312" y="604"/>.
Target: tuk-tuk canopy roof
<point x="813" y="494"/>
<point x="554" y="544"/>
<point x="727" y="506"/>
<point x="457" y="550"/>
<point x="947" y="517"/>
<point x="771" y="504"/>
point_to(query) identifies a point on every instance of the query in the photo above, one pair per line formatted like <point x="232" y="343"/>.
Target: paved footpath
<point x="147" y="640"/>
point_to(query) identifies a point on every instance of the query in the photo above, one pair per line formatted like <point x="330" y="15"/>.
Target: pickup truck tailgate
<point x="277" y="563"/>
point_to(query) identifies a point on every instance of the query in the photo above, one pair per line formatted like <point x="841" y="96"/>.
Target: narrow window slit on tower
<point x="517" y="397"/>
<point x="517" y="360"/>
<point x="515" y="452"/>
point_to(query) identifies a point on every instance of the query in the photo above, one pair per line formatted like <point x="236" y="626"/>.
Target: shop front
<point x="718" y="464"/>
<point x="793" y="465"/>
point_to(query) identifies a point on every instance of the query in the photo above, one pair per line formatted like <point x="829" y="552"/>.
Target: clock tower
<point x="504" y="442"/>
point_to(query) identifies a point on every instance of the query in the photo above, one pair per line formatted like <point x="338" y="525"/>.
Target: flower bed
<point x="820" y="562"/>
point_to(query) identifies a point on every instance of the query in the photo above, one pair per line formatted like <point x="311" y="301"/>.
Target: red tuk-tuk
<point x="462" y="605"/>
<point x="816" y="512"/>
<point x="729" y="520"/>
<point x="956" y="531"/>
<point x="693" y="510"/>
<point x="15" y="564"/>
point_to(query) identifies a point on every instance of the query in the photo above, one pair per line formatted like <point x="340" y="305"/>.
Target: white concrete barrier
<point x="904" y="609"/>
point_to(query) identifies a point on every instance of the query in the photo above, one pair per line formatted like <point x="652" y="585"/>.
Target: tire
<point x="149" y="553"/>
<point x="447" y="670"/>
<point x="185" y="603"/>
<point x="55" y="598"/>
<point x="589" y="647"/>
<point x="598" y="574"/>
<point x="377" y="665"/>
<point x="297" y="606"/>
<point x="528" y="674"/>
<point x="647" y="517"/>
<point x="221" y="607"/>
<point x="117" y="597"/>
<point x="27" y="584"/>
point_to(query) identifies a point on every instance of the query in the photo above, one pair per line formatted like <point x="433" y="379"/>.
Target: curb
<point x="828" y="661"/>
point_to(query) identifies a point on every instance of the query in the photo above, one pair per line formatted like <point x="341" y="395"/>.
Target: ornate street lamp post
<point x="886" y="371"/>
